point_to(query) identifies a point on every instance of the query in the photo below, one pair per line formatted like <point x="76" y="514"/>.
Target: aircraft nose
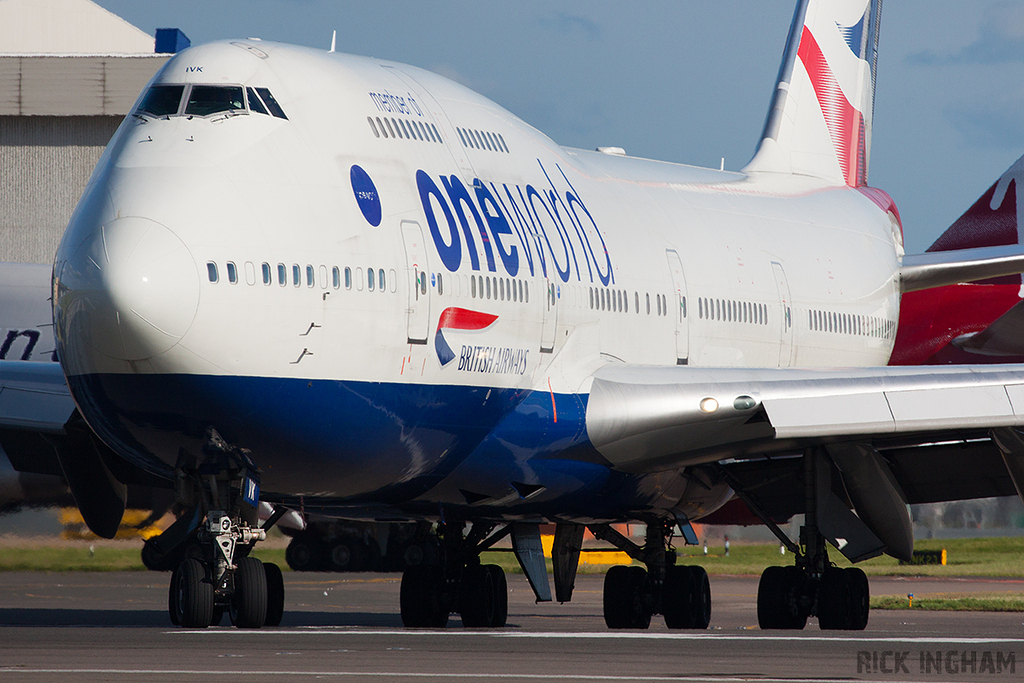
<point x="130" y="291"/>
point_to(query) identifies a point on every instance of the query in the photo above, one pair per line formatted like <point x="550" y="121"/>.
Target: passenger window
<point x="502" y="140"/>
<point x="257" y="106"/>
<point x="501" y="289"/>
<point x="369" y="279"/>
<point x="636" y="300"/>
<point x="162" y="100"/>
<point x="296" y="275"/>
<point x="204" y="100"/>
<point x="373" y="127"/>
<point x="380" y="279"/>
<point x="461" y="137"/>
<point x="232" y="273"/>
<point x="323" y="277"/>
<point x="266" y="274"/>
<point x="348" y="278"/>
<point x="489" y="288"/>
<point x="335" y="277"/>
<point x="359" y="279"/>
<point x="272" y="105"/>
<point x="398" y="128"/>
<point x="526" y="290"/>
<point x="310" y="276"/>
<point x="437" y="133"/>
<point x="440" y="285"/>
<point x="381" y="126"/>
<point x="282" y="274"/>
<point x="472" y="285"/>
<point x="390" y="129"/>
<point x="250" y="273"/>
<point x="211" y="271"/>
<point x="648" y="303"/>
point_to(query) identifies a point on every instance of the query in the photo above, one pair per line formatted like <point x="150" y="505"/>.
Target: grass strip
<point x="953" y="603"/>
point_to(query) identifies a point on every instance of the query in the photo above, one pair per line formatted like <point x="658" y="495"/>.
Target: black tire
<point x="249" y="602"/>
<point x="700" y="616"/>
<point x="422" y="599"/>
<point x="347" y="554"/>
<point x="195" y="595"/>
<point x="500" y="584"/>
<point x="834" y="600"/>
<point x="775" y="605"/>
<point x="676" y="597"/>
<point x="860" y="599"/>
<point x="172" y="598"/>
<point x="483" y="597"/>
<point x="305" y="553"/>
<point x="275" y="594"/>
<point x="623" y="598"/>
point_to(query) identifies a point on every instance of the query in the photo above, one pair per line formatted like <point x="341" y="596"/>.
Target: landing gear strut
<point x="632" y="595"/>
<point x="786" y="596"/>
<point x="459" y="583"/>
<point x="208" y="547"/>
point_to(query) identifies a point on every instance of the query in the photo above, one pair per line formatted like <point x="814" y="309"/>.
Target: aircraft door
<point x="675" y="266"/>
<point x="786" y="314"/>
<point x="550" y="303"/>
<point x="417" y="273"/>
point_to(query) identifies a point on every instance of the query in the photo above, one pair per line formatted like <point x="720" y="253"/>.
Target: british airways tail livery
<point x="352" y="287"/>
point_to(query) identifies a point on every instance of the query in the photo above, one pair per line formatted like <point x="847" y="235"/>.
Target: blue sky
<point x="683" y="81"/>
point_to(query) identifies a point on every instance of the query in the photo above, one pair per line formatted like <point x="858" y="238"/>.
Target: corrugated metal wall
<point x="45" y="162"/>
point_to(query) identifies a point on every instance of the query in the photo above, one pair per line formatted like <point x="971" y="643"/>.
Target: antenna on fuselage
<point x="334" y="40"/>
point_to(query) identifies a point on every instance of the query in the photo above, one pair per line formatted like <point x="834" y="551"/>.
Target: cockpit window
<point x="162" y="100"/>
<point x="254" y="102"/>
<point x="204" y="100"/>
<point x="271" y="103"/>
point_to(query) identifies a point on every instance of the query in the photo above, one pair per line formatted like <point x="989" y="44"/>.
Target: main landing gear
<point x="786" y="596"/>
<point x="458" y="583"/>
<point x="632" y="595"/>
<point x="208" y="547"/>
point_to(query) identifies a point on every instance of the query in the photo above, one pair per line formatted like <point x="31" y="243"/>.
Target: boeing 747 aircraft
<point x="354" y="288"/>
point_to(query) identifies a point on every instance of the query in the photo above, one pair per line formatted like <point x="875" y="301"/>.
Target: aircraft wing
<point x="939" y="268"/>
<point x="644" y="419"/>
<point x="34" y="396"/>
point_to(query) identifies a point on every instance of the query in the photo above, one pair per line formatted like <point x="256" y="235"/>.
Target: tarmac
<point x="346" y="627"/>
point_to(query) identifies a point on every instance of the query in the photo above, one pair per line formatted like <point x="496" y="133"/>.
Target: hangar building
<point x="69" y="73"/>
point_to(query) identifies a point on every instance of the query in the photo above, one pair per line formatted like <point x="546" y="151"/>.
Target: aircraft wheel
<point x="194" y="600"/>
<point x="860" y="599"/>
<point x="700" y="613"/>
<point x="834" y="604"/>
<point x="422" y="597"/>
<point x="275" y="594"/>
<point x="623" y="598"/>
<point x="775" y="606"/>
<point x="348" y="554"/>
<point x="249" y="603"/>
<point x="172" y="598"/>
<point x="686" y="597"/>
<point x="483" y="597"/>
<point x="305" y="553"/>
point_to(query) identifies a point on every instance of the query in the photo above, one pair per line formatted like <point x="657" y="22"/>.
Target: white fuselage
<point x="568" y="260"/>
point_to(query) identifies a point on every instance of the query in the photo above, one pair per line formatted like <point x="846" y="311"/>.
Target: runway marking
<point x="598" y="635"/>
<point x="423" y="674"/>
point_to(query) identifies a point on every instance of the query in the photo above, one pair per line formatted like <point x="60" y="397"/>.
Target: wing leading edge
<point x="645" y="419"/>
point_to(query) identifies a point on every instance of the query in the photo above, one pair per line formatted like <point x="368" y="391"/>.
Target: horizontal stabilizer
<point x="1004" y="337"/>
<point x="940" y="268"/>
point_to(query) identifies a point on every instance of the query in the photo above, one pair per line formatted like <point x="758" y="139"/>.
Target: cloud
<point x="569" y="24"/>
<point x="1001" y="40"/>
<point x="994" y="124"/>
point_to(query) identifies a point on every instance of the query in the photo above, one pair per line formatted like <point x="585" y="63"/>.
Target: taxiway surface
<point x="114" y="627"/>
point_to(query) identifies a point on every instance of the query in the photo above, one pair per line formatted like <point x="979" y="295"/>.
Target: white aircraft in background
<point x="352" y="287"/>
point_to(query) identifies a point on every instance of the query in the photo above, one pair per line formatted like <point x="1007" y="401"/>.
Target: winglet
<point x="819" y="122"/>
<point x="334" y="40"/>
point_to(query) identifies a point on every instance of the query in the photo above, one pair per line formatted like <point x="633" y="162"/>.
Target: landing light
<point x="744" y="403"/>
<point x="709" y="405"/>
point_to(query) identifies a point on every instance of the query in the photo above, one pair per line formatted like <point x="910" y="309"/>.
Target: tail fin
<point x="819" y="123"/>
